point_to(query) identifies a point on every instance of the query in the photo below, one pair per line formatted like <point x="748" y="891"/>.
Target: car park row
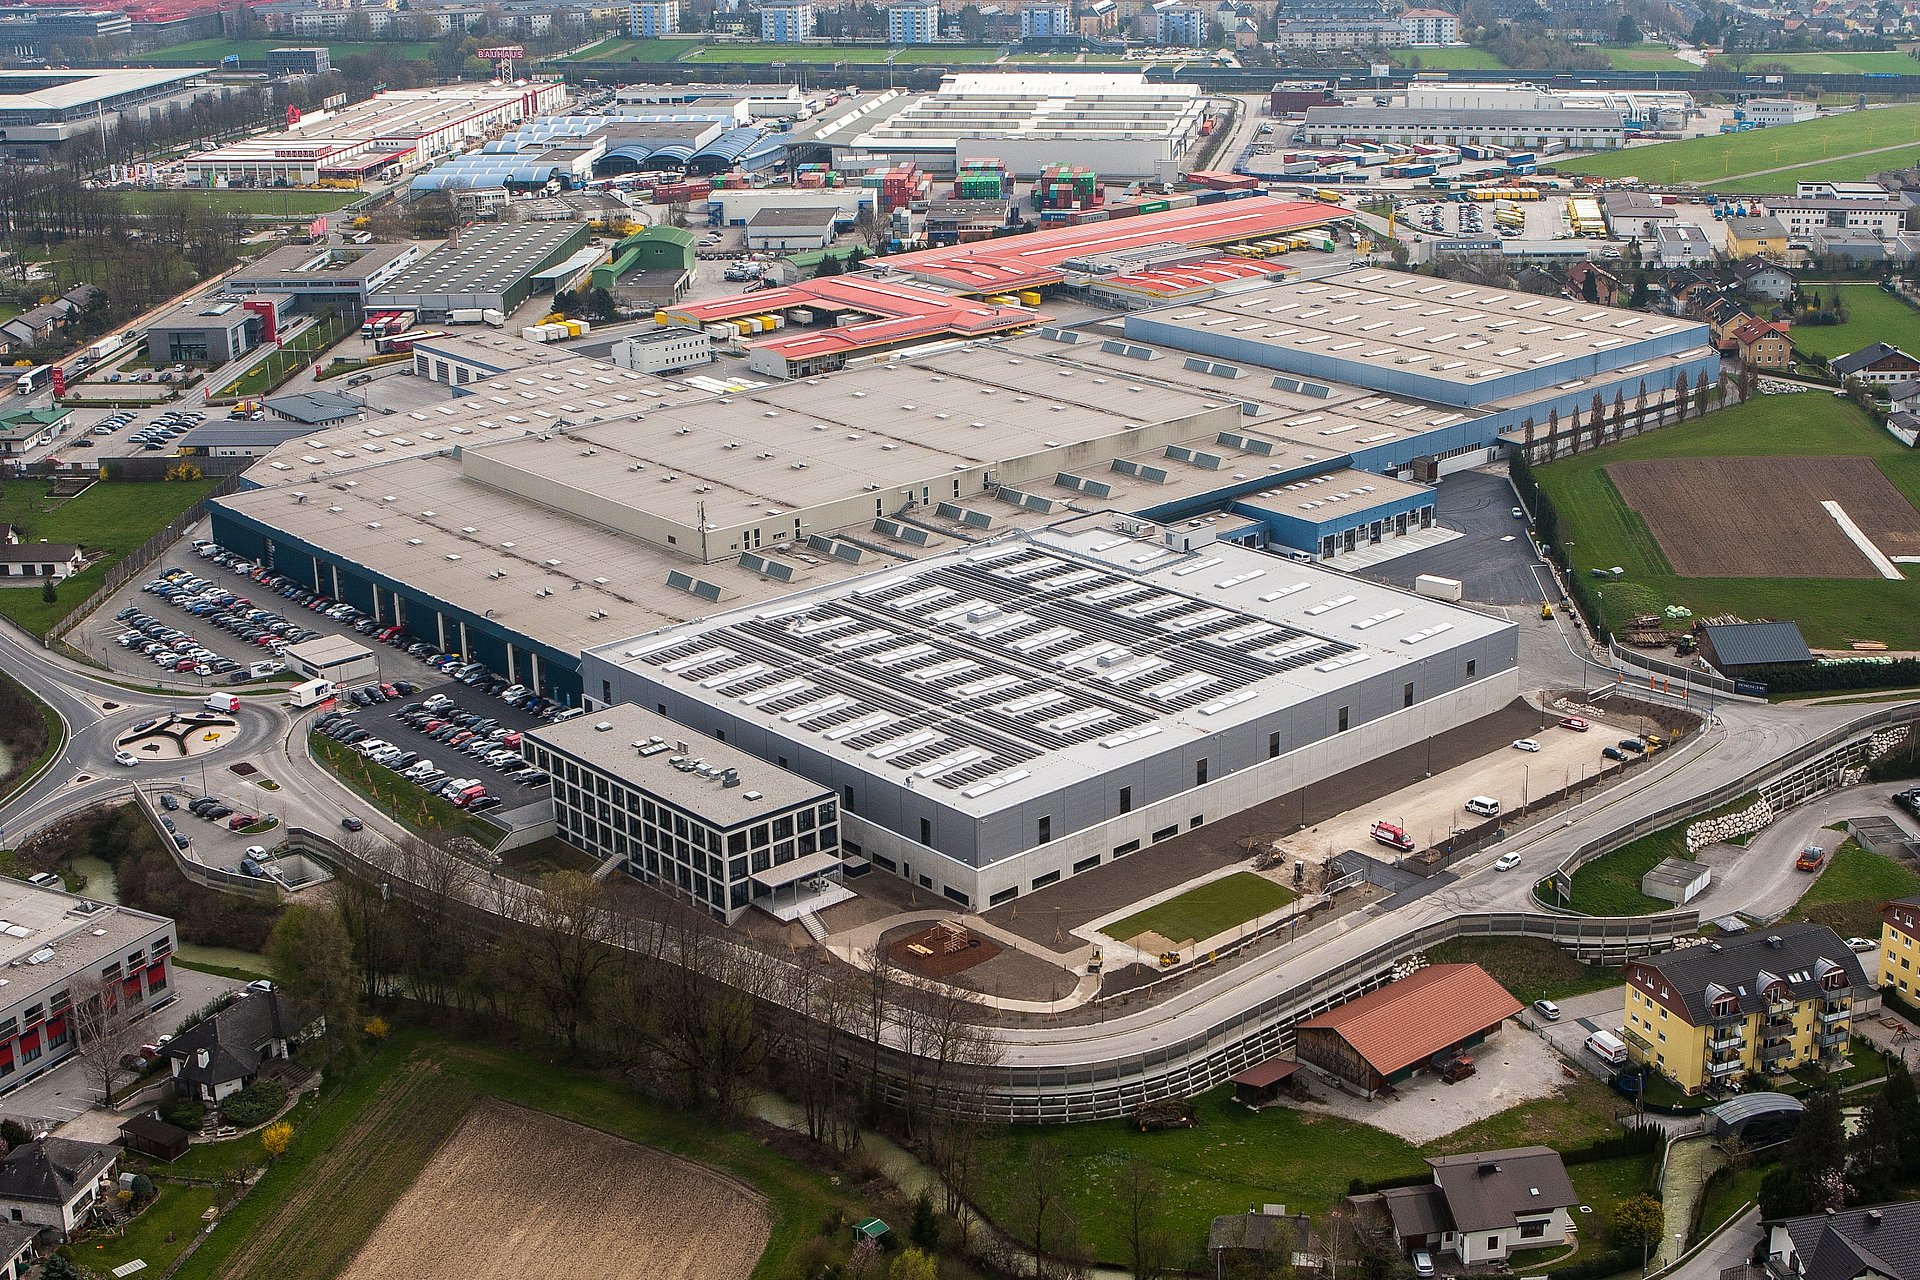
<point x="479" y="737"/>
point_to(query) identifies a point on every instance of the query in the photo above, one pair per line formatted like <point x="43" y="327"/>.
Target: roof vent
<point x="601" y="726"/>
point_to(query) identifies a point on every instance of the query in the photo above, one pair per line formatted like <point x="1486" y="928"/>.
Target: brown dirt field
<point x="1702" y="513"/>
<point x="941" y="963"/>
<point x="515" y="1193"/>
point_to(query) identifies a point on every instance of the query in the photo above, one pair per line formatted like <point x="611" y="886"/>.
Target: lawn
<point x="355" y="1151"/>
<point x="624" y="50"/>
<point x="1610" y="884"/>
<point x="1851" y="890"/>
<point x="1874" y="315"/>
<point x="1642" y="57"/>
<point x="289" y="201"/>
<point x="1531" y="968"/>
<point x="1857" y="169"/>
<point x="1889" y="62"/>
<point x="175" y="1212"/>
<point x="1812" y="143"/>
<point x="109" y="517"/>
<point x="918" y="55"/>
<point x="286" y="360"/>
<point x="1463" y="58"/>
<point x="210" y="51"/>
<point x="1236" y="1157"/>
<point x="1210" y="909"/>
<point x="405" y="802"/>
<point x="1728" y="1193"/>
<point x="1600" y="530"/>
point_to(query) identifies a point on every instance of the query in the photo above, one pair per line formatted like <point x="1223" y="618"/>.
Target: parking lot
<point x="451" y="741"/>
<point x="1494" y="560"/>
<point x="210" y="826"/>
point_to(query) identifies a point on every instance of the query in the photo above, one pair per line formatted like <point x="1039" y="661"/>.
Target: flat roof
<point x="328" y="651"/>
<point x="613" y="738"/>
<point x="68" y="933"/>
<point x="495" y="349"/>
<point x="823" y="215"/>
<point x="49" y="90"/>
<point x="993" y="672"/>
<point x="1017" y="262"/>
<point x="234" y="433"/>
<point x="486" y="259"/>
<point x="337" y="261"/>
<point x="400" y="117"/>
<point x="1359" y="118"/>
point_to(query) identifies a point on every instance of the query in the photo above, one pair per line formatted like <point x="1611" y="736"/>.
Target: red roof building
<point x="1387" y="1036"/>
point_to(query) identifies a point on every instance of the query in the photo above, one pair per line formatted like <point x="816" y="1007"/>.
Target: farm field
<point x="623" y="50"/>
<point x="586" y="1202"/>
<point x="1202" y="912"/>
<point x="110" y="518"/>
<point x="1812" y="144"/>
<point x="1600" y="528"/>
<point x="933" y="55"/>
<point x="1889" y="62"/>
<point x="210" y="51"/>
<point x="1873" y="315"/>
<point x="1464" y="58"/>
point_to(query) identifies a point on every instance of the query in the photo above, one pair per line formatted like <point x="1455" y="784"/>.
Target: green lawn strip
<point x="221" y="970"/>
<point x="1531" y="968"/>
<point x="175" y="1210"/>
<point x="1728" y="1193"/>
<point x="1643" y="57"/>
<point x="210" y="51"/>
<point x="624" y="50"/>
<point x="110" y="517"/>
<point x="1610" y="884"/>
<point x="1600" y="531"/>
<point x="1874" y="315"/>
<point x="919" y="55"/>
<point x="284" y="362"/>
<point x="1852" y="888"/>
<point x="408" y="804"/>
<point x="1786" y="181"/>
<point x="530" y="861"/>
<point x="1886" y="62"/>
<point x="1732" y="155"/>
<point x="1210" y="909"/>
<point x="25" y="770"/>
<point x="292" y="202"/>
<point x="1448" y="59"/>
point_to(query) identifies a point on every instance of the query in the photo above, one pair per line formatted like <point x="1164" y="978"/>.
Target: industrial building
<point x="479" y="355"/>
<point x="325" y="275"/>
<point x="390" y="133"/>
<point x="664" y="350"/>
<point x="999" y="717"/>
<point x="487" y="268"/>
<point x="42" y="109"/>
<point x="1560" y="127"/>
<point x="694" y="816"/>
<point x="787" y="230"/>
<point x="54" y="945"/>
<point x="205" y="332"/>
<point x="1115" y="123"/>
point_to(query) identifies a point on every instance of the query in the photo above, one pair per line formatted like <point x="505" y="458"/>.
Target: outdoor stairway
<point x="811" y="923"/>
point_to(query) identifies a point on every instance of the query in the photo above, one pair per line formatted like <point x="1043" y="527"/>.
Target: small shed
<point x="1258" y="1086"/>
<point x="1738" y="647"/>
<point x="1271" y="1236"/>
<point x="870" y="1229"/>
<point x="149" y="1135"/>
<point x="1676" y="880"/>
<point x="1757" y="1119"/>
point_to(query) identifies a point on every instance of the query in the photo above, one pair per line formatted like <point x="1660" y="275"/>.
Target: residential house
<point x="1605" y="287"/>
<point x="54" y="1182"/>
<point x="37" y="562"/>
<point x="1768" y="281"/>
<point x="1900" y="948"/>
<point x="1871" y="1242"/>
<point x="1905" y="396"/>
<point x="1762" y="237"/>
<point x="17" y="1249"/>
<point x="1706" y="1017"/>
<point x="1763" y="344"/>
<point x="1388" y="1036"/>
<point x="225" y="1053"/>
<point x="1482" y="1206"/>
<point x="1880" y="365"/>
<point x="1430" y="27"/>
<point x="1682" y="244"/>
<point x="1282" y="1241"/>
<point x="1724" y="315"/>
<point x="36" y="326"/>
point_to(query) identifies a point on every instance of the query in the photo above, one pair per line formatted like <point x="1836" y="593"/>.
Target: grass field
<point x="159" y="1235"/>
<point x="1853" y="169"/>
<point x="1890" y="62"/>
<point x="111" y="518"/>
<point x="1465" y="58"/>
<point x="212" y="50"/>
<point x="1601" y="531"/>
<point x="1610" y="884"/>
<point x="282" y="363"/>
<point x="1531" y="968"/>
<point x="1874" y="316"/>
<point x="1722" y="157"/>
<point x="289" y="203"/>
<point x="1213" y="908"/>
<point x="315" y="1205"/>
<point x="1236" y="1157"/>
<point x="624" y="50"/>
<point x="931" y="55"/>
<point x="1642" y="57"/>
<point x="1849" y="894"/>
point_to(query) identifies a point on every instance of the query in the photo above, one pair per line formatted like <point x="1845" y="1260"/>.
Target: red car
<point x="239" y="820"/>
<point x="1576" y="724"/>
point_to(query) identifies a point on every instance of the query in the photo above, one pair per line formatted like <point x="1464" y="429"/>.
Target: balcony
<point x="1723" y="1068"/>
<point x="1834" y="1038"/>
<point x="1774" y="1053"/>
<point x="1828" y="1017"/>
<point x="1781" y="1008"/>
<point x="1721" y="1041"/>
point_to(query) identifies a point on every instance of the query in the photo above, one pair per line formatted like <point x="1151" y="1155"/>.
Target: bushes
<point x="188" y="1113"/>
<point x="253" y="1104"/>
<point x="1894" y="674"/>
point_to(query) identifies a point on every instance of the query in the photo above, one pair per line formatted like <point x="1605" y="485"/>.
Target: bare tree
<point x="1045" y="1169"/>
<point x="101" y="1021"/>
<point x="568" y="933"/>
<point x="1143" y="1205"/>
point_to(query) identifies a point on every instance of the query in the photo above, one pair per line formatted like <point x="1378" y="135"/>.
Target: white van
<point x="1485" y="806"/>
<point x="1608" y="1047"/>
<point x="227" y="702"/>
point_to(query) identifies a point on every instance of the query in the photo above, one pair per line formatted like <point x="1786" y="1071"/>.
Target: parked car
<point x="1547" y="1009"/>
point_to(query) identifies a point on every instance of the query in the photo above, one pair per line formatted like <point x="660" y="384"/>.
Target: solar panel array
<point x="961" y="673"/>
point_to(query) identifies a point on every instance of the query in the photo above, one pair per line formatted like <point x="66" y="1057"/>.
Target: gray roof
<point x="1491" y="1190"/>
<point x="823" y="216"/>
<point x="1531" y="121"/>
<point x="16" y="1238"/>
<point x="1261" y="1231"/>
<point x="1677" y="873"/>
<point x="37" y="552"/>
<point x="1748" y="644"/>
<point x="235" y="1039"/>
<point x="1883" y="1239"/>
<point x="313" y="407"/>
<point x="1749" y="1106"/>
<point x="1865" y="357"/>
<point x="1799" y="954"/>
<point x="232" y="433"/>
<point x="51" y="1170"/>
<point x="1769" y="228"/>
<point x="1748" y="268"/>
<point x="1417" y="1211"/>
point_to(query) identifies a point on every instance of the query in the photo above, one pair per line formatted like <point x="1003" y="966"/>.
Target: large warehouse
<point x="1002" y="716"/>
<point x="488" y="267"/>
<point x="44" y="108"/>
<point x="1578" y="129"/>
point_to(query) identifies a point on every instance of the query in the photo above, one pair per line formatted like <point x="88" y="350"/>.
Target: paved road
<point x="1494" y="558"/>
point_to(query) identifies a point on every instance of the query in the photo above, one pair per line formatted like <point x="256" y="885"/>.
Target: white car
<point x="1507" y="862"/>
<point x="1525" y="744"/>
<point x="124" y="759"/>
<point x="1862" y="944"/>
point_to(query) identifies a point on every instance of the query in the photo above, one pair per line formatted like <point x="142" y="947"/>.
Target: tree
<point x="1590" y="287"/>
<point x="14" y="1134"/>
<point x="925" y="1230"/>
<point x="1044" y="1173"/>
<point x="376" y="1029"/>
<point x="48" y="592"/>
<point x="1887" y="1148"/>
<point x="1626" y="31"/>
<point x="828" y="265"/>
<point x="1143" y="1207"/>
<point x="1638" y="298"/>
<point x="1817" y="1150"/>
<point x="568" y="930"/>
<point x="311" y="956"/>
<point x="57" y="1267"/>
<point x="913" y="1264"/>
<point x="101" y="1023"/>
<point x="1638" y="1223"/>
<point x="275" y="1138"/>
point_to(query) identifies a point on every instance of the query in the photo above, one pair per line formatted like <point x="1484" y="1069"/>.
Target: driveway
<point x="1580" y="1017"/>
<point x="1494" y="559"/>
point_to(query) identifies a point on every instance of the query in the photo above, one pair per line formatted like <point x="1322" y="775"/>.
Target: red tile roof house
<point x="1386" y="1037"/>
